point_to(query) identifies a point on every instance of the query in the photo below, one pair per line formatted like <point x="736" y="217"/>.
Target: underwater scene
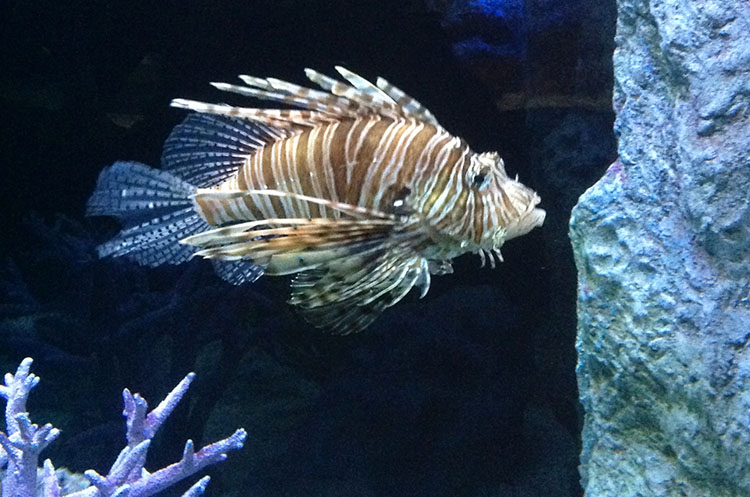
<point x="432" y="248"/>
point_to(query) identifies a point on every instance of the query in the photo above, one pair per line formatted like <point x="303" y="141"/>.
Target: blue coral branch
<point x="16" y="391"/>
<point x="188" y="465"/>
<point x="23" y="441"/>
<point x="156" y="417"/>
<point x="50" y="485"/>
<point x="198" y="488"/>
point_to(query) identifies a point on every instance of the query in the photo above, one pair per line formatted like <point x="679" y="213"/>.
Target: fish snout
<point x="533" y="218"/>
<point x="538" y="215"/>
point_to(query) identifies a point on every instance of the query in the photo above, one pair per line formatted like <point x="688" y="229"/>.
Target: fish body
<point x="358" y="192"/>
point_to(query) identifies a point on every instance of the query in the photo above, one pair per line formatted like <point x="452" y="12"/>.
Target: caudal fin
<point x="156" y="210"/>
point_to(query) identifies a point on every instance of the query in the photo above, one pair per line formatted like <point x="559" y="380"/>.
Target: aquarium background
<point x="469" y="391"/>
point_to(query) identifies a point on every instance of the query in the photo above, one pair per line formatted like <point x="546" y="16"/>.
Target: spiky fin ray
<point x="292" y="95"/>
<point x="408" y="104"/>
<point x="289" y="120"/>
<point x="363" y="85"/>
<point x="356" y="97"/>
<point x="368" y="102"/>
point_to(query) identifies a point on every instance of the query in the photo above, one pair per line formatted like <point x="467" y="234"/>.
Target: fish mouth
<point x="538" y="216"/>
<point x="532" y="218"/>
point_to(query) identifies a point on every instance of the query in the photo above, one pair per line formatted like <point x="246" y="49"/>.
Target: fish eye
<point x="480" y="180"/>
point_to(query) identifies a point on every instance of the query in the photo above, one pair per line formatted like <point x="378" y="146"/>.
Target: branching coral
<point x="23" y="441"/>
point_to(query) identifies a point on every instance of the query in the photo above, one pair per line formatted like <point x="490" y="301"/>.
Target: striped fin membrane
<point x="289" y="245"/>
<point x="347" y="270"/>
<point x="346" y="297"/>
<point x="205" y="150"/>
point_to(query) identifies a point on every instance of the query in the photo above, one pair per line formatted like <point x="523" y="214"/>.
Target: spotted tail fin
<point x="156" y="210"/>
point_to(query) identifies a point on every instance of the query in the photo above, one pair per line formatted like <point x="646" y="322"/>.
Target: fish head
<point x="482" y="208"/>
<point x="506" y="208"/>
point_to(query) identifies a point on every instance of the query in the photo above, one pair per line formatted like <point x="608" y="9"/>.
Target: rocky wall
<point x="662" y="248"/>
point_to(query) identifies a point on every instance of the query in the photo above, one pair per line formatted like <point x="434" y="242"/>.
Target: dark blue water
<point x="470" y="391"/>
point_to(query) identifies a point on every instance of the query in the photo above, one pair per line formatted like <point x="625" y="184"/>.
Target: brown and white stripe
<point x="364" y="161"/>
<point x="358" y="191"/>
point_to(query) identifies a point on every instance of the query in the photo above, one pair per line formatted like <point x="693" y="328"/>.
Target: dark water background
<point x="470" y="391"/>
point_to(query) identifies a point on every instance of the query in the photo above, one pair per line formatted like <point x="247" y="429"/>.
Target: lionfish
<point x="356" y="190"/>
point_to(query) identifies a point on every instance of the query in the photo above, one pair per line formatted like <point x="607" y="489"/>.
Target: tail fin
<point x="155" y="208"/>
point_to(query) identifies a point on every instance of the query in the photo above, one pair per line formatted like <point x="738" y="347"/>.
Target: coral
<point x="91" y="324"/>
<point x="23" y="441"/>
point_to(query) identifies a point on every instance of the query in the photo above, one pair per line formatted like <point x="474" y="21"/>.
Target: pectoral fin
<point x="348" y="270"/>
<point x="287" y="246"/>
<point x="345" y="296"/>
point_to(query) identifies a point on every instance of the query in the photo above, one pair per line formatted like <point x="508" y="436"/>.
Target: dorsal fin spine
<point x="357" y="97"/>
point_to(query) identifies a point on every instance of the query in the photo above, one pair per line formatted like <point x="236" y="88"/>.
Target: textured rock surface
<point x="662" y="245"/>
